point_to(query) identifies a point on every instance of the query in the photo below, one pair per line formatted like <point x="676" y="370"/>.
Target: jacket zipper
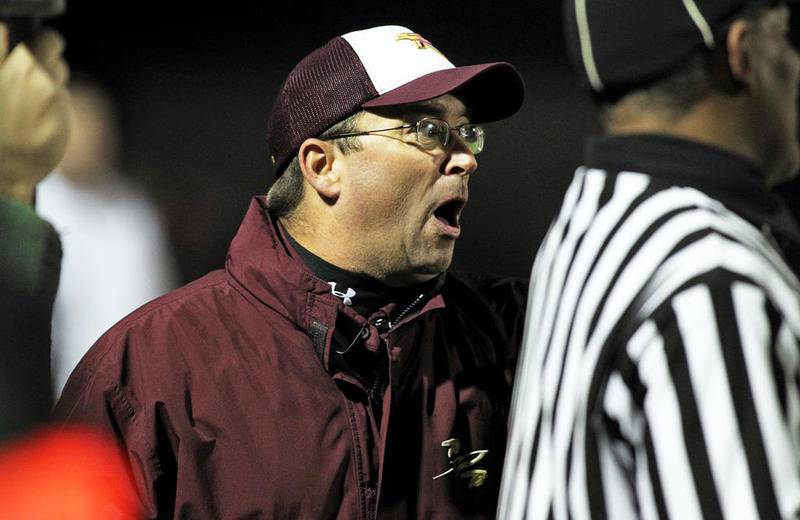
<point x="406" y="311"/>
<point x="381" y="324"/>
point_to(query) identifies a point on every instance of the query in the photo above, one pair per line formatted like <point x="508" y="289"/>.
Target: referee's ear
<point x="740" y="55"/>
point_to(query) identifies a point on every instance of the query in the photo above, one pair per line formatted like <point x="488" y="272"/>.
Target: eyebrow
<point x="407" y="111"/>
<point x="429" y="107"/>
<point x="433" y="108"/>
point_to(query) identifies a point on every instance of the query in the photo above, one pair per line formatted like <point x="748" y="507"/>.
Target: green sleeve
<point x="30" y="258"/>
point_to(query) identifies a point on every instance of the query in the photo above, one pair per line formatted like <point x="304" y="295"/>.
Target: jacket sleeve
<point x="714" y="372"/>
<point x="106" y="392"/>
<point x="30" y="258"/>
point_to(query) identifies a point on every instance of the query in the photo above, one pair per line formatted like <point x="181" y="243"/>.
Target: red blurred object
<point x="71" y="473"/>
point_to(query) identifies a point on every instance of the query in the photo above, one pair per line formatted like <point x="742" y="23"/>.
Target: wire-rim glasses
<point x="432" y="133"/>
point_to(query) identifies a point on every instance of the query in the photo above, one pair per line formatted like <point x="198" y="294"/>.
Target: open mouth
<point x="449" y="213"/>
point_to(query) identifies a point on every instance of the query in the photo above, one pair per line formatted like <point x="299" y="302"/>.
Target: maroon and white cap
<point x="381" y="66"/>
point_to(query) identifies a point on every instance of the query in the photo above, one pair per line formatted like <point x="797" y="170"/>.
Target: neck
<point x="365" y="294"/>
<point x="346" y="235"/>
<point x="322" y="239"/>
<point x="719" y="121"/>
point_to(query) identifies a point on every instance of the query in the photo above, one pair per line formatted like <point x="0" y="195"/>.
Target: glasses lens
<point x="474" y="136"/>
<point x="432" y="133"/>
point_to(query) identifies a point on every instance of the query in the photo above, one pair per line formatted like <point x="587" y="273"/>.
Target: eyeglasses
<point x="432" y="133"/>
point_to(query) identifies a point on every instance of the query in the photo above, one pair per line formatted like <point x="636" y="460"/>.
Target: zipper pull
<point x="381" y="323"/>
<point x="363" y="334"/>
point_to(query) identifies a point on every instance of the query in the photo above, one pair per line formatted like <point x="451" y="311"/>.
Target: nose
<point x="460" y="161"/>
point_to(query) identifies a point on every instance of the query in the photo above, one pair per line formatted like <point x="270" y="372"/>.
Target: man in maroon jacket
<point x="333" y="369"/>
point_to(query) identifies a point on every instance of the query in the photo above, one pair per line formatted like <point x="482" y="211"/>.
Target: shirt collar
<point x="729" y="178"/>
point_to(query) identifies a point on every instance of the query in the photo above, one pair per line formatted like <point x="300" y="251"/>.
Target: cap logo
<point x="422" y="43"/>
<point x="393" y="55"/>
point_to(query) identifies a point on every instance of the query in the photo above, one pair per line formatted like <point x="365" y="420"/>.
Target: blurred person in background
<point x="65" y="473"/>
<point x="34" y="128"/>
<point x="116" y="256"/>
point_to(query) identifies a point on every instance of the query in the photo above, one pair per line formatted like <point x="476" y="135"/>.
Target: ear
<point x="740" y="52"/>
<point x="316" y="159"/>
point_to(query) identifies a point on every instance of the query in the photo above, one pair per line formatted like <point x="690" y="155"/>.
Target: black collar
<point x="729" y="178"/>
<point x="365" y="294"/>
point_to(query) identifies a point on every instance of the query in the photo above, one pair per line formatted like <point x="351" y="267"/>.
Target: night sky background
<point x="195" y="84"/>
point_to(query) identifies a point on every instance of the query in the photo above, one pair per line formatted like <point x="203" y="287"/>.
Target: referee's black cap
<point x="619" y="45"/>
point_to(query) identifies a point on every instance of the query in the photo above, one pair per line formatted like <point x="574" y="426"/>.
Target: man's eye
<point x="429" y="129"/>
<point x="470" y="132"/>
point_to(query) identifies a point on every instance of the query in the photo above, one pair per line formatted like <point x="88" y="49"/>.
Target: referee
<point x="660" y="377"/>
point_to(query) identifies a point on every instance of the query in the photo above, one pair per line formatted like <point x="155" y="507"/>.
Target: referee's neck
<point x="716" y="120"/>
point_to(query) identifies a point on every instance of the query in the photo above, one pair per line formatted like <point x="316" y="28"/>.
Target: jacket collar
<point x="259" y="260"/>
<point x="262" y="261"/>
<point x="731" y="179"/>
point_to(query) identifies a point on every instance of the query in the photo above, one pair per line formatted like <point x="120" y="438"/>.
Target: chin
<point x="406" y="278"/>
<point x="432" y="270"/>
<point x="433" y="267"/>
<point x="792" y="173"/>
<point x="780" y="156"/>
<point x="786" y="170"/>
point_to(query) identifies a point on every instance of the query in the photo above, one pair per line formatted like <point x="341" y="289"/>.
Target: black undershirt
<point x="361" y="292"/>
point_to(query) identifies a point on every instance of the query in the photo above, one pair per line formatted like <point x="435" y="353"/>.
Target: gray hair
<point x="286" y="192"/>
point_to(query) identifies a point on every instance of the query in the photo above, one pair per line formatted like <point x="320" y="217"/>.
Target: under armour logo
<point x="345" y="296"/>
<point x="461" y="465"/>
<point x="421" y="42"/>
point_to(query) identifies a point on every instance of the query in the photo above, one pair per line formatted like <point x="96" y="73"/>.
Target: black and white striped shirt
<point x="660" y="371"/>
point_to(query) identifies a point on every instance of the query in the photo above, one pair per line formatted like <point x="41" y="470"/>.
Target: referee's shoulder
<point x="720" y="254"/>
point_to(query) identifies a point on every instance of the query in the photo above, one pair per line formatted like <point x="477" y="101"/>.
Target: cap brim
<point x="492" y="91"/>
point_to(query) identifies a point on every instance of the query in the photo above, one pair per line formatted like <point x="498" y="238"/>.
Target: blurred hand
<point x="34" y="112"/>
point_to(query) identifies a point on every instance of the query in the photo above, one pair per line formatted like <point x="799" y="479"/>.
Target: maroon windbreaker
<point x="233" y="400"/>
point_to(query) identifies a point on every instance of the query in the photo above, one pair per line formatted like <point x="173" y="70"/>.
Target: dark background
<point x="195" y="84"/>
